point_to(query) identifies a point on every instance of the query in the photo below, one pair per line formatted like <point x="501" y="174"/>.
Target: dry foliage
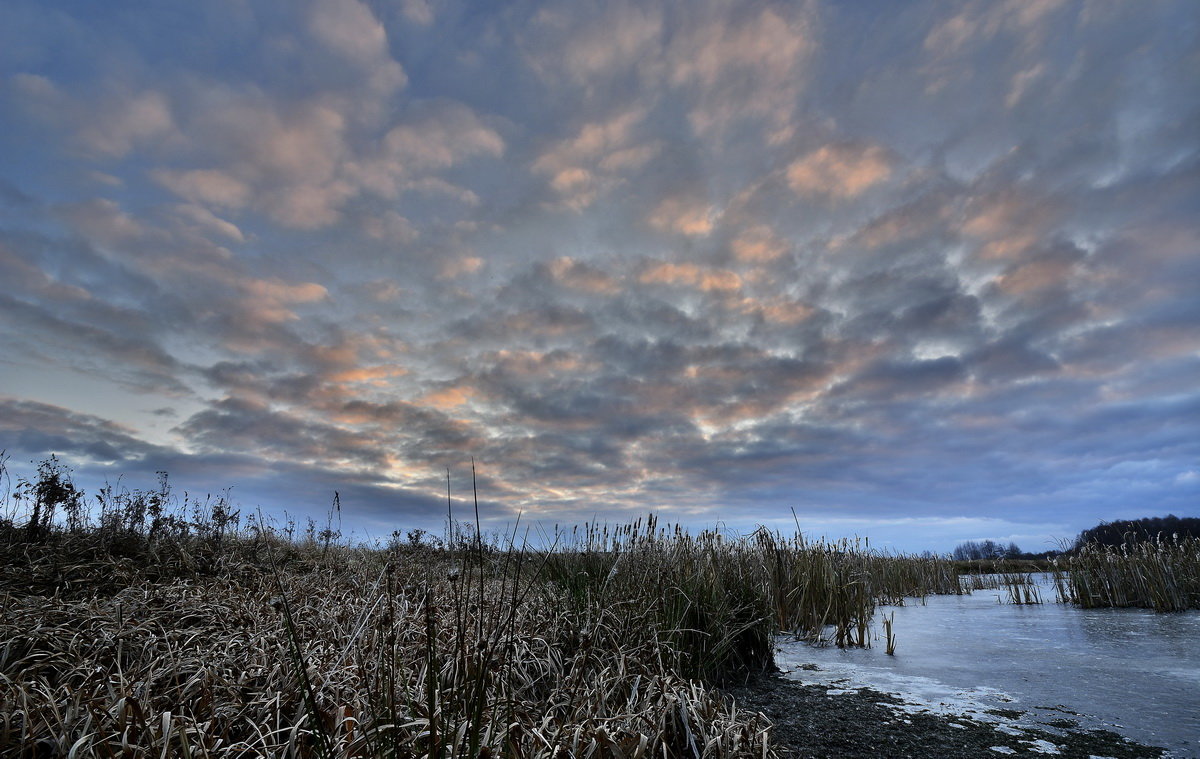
<point x="160" y="628"/>
<point x="1163" y="575"/>
<point x="362" y="653"/>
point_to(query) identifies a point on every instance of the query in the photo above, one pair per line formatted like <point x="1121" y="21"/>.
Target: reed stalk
<point x="1162" y="574"/>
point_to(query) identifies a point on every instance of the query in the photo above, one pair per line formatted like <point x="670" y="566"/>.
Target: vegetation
<point x="1145" y="530"/>
<point x="1018" y="582"/>
<point x="1163" y="575"/>
<point x="973" y="550"/>
<point x="986" y="555"/>
<point x="139" y="623"/>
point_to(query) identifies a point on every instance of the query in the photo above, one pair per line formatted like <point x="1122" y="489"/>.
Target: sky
<point x="920" y="272"/>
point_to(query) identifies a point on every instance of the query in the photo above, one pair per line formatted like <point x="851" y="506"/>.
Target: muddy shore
<point x="810" y="722"/>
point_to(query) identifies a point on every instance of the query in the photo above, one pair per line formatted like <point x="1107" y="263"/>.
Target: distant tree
<point x="966" y="551"/>
<point x="1131" y="531"/>
<point x="972" y="550"/>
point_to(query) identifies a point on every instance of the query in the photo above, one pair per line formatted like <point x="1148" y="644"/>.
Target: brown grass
<point x="389" y="655"/>
<point x="1163" y="575"/>
<point x="155" y="627"/>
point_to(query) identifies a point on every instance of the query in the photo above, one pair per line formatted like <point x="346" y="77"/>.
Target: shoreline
<point x="809" y="721"/>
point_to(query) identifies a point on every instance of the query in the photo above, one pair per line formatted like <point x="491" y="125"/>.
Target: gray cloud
<point x="873" y="263"/>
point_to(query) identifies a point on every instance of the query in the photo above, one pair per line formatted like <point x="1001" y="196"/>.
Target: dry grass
<point x="164" y="628"/>
<point x="1021" y="586"/>
<point x="361" y="653"/>
<point x="153" y="627"/>
<point x="1163" y="575"/>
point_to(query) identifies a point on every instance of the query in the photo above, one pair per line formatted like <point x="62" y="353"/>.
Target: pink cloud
<point x="108" y="124"/>
<point x="688" y="216"/>
<point x="839" y="171"/>
<point x="758" y="245"/>
<point x="591" y="162"/>
<point x="580" y="276"/>
<point x="691" y="275"/>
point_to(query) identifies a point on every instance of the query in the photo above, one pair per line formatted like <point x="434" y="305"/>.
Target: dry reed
<point x="1163" y="575"/>
<point x="158" y="627"/>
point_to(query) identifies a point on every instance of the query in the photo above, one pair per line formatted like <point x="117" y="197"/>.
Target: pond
<point x="1132" y="671"/>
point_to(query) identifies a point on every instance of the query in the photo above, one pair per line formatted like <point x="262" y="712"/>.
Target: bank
<point x="812" y="720"/>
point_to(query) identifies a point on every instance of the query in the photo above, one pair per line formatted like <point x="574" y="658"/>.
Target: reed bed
<point x="149" y="626"/>
<point x="1020" y="586"/>
<point x="723" y="598"/>
<point x="1022" y="589"/>
<point x="350" y="653"/>
<point x="1163" y="575"/>
<point x="827" y="592"/>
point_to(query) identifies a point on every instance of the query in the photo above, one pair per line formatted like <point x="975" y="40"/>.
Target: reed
<point x="1020" y="586"/>
<point x="152" y="625"/>
<point x="1162" y="574"/>
<point x="350" y="653"/>
<point x="1022" y="589"/>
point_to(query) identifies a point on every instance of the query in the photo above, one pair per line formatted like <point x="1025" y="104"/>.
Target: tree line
<point x="1121" y="532"/>
<point x="974" y="550"/>
<point x="1142" y="530"/>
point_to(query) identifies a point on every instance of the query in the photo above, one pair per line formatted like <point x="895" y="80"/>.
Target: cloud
<point x="249" y="425"/>
<point x="597" y="159"/>
<point x="349" y="28"/>
<point x="578" y="275"/>
<point x="690" y="275"/>
<point x="418" y="11"/>
<point x="723" y="66"/>
<point x="34" y="428"/>
<point x="206" y="186"/>
<point x="103" y="347"/>
<point x="776" y="310"/>
<point x="207" y="221"/>
<point x="742" y="64"/>
<point x="108" y="124"/>
<point x="900" y="380"/>
<point x="839" y="171"/>
<point x="270" y="300"/>
<point x="688" y="216"/>
<point x="703" y="258"/>
<point x="985" y="21"/>
<point x="758" y="245"/>
<point x="1008" y="223"/>
<point x="449" y="398"/>
<point x="441" y="135"/>
<point x="1046" y="272"/>
<point x="458" y="267"/>
<point x="592" y="46"/>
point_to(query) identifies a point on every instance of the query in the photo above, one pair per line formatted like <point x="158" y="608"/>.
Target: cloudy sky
<point x="924" y="272"/>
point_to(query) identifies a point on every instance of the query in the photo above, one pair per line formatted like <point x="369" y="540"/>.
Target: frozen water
<point x="1133" y="671"/>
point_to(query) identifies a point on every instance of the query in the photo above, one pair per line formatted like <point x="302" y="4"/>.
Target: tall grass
<point x="143" y="624"/>
<point x="1163" y="575"/>
<point x="720" y="600"/>
<point x="828" y="592"/>
<point x="1022" y="589"/>
<point x="357" y="653"/>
